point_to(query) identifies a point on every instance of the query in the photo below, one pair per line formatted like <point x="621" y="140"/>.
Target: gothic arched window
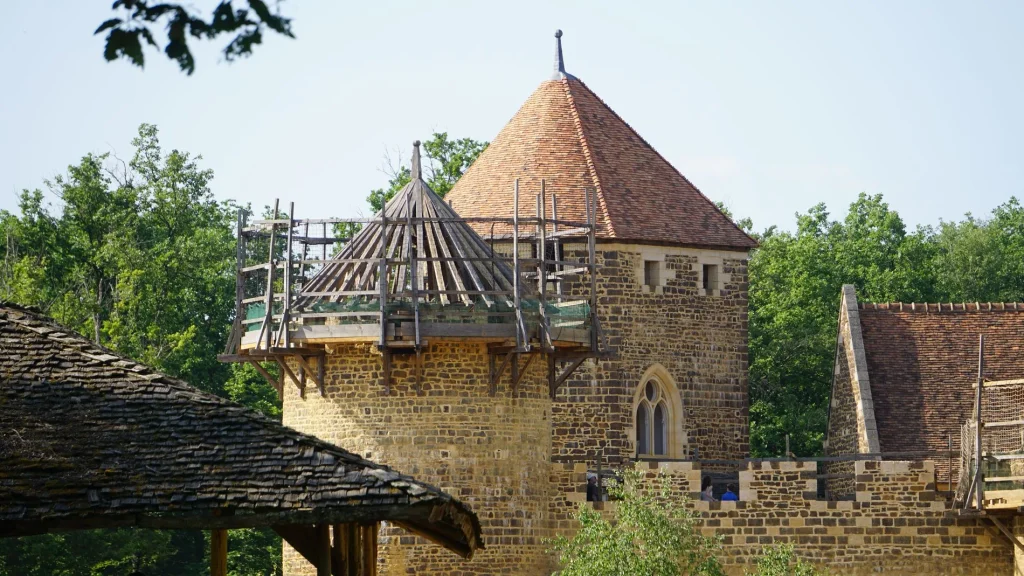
<point x="652" y="420"/>
<point x="658" y="415"/>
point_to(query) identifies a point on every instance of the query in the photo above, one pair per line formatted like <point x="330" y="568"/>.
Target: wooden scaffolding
<point x="414" y="272"/>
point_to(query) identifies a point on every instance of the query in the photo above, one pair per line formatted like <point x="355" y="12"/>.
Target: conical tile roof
<point x="567" y="136"/>
<point x="450" y="256"/>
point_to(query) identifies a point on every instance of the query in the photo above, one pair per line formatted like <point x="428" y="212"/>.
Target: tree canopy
<point x="795" y="282"/>
<point x="182" y="22"/>
<point x="447" y="160"/>
<point x="139" y="256"/>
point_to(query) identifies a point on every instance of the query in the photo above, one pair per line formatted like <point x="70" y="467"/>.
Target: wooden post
<point x="382" y="277"/>
<point x="271" y="264"/>
<point x="238" y="328"/>
<point x="369" y="552"/>
<point x="286" y="314"/>
<point x="978" y="477"/>
<point x="949" y="462"/>
<point x="542" y="272"/>
<point x="351" y="540"/>
<point x="219" y="552"/>
<point x="337" y="550"/>
<point x="323" y="549"/>
<point x="515" y="265"/>
<point x="558" y="245"/>
<point x="592" y="253"/>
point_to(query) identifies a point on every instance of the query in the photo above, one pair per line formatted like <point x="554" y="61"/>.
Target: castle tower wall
<point x="492" y="452"/>
<point x="694" y="340"/>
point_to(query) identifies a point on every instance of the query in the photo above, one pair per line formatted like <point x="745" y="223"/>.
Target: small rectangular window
<point x="710" y="277"/>
<point x="651" y="273"/>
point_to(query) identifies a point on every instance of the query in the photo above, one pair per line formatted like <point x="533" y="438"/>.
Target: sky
<point x="770" y="107"/>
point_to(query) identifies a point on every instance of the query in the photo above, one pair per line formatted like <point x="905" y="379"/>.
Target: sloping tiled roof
<point x="567" y="136"/>
<point x="923" y="363"/>
<point x="89" y="438"/>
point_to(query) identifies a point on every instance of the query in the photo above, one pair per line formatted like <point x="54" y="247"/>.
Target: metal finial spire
<point x="416" y="173"/>
<point x="559" y="61"/>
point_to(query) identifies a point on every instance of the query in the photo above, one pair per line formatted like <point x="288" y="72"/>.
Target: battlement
<point x="895" y="523"/>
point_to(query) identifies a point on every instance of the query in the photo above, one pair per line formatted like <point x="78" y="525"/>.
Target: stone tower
<point x="574" y="303"/>
<point x="421" y="347"/>
<point x="672" y="280"/>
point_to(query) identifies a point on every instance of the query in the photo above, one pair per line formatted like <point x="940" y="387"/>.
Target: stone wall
<point x="490" y="452"/>
<point x="895" y="524"/>
<point x="698" y="339"/>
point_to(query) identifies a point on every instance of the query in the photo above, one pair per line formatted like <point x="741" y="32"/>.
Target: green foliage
<point x="795" y="281"/>
<point x="447" y="161"/>
<point x="651" y="534"/>
<point x="140" y="257"/>
<point x="88" y="553"/>
<point x="125" y="35"/>
<point x="779" y="561"/>
<point x="254" y="552"/>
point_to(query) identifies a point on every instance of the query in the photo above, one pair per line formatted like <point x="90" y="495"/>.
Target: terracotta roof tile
<point x="923" y="363"/>
<point x="567" y="136"/>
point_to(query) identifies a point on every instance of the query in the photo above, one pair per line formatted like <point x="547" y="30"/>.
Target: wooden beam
<point x="369" y="551"/>
<point x="279" y="386"/>
<point x="386" y="369"/>
<point x="285" y="370"/>
<point x="1006" y="532"/>
<point x="449" y="542"/>
<point x="569" y="370"/>
<point x="307" y="370"/>
<point x="350" y="539"/>
<point x="992" y="383"/>
<point x="219" y="552"/>
<point x="519" y="372"/>
<point x="299" y="537"/>
<point x="556" y="382"/>
<point x="496" y="374"/>
<point x="337" y="550"/>
<point x="323" y="549"/>
<point x="419" y="372"/>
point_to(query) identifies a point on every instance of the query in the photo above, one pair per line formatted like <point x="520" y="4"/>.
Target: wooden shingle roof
<point x="91" y="439"/>
<point x="567" y="136"/>
<point x="453" y="261"/>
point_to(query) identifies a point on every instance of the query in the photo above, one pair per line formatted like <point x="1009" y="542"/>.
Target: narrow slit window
<point x="652" y="276"/>
<point x="710" y="276"/>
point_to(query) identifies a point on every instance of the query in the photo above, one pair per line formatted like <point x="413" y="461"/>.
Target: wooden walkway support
<point x="219" y="552"/>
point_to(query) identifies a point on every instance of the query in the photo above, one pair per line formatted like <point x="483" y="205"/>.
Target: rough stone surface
<point x="895" y="524"/>
<point x="492" y="452"/>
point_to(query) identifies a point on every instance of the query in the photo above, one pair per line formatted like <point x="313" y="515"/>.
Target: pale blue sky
<point x="768" y="106"/>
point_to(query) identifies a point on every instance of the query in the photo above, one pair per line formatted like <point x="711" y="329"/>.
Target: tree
<point x="780" y="561"/>
<point x="140" y="257"/>
<point x="651" y="534"/>
<point x="126" y="34"/>
<point x="982" y="259"/>
<point x="447" y="161"/>
<point x="795" y="281"/>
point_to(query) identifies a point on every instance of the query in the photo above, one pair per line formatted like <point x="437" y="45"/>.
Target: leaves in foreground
<point x="651" y="533"/>
<point x="125" y="35"/>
